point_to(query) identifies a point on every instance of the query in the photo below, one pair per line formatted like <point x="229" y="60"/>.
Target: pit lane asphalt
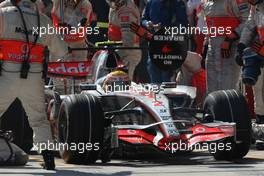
<point x="196" y="163"/>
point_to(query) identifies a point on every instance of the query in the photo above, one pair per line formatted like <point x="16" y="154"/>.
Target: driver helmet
<point x="255" y="2"/>
<point x="117" y="81"/>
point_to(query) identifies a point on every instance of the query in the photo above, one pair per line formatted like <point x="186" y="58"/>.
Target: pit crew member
<point x="122" y="13"/>
<point x="158" y="14"/>
<point x="253" y="27"/>
<point x="23" y="62"/>
<point x="73" y="20"/>
<point x="75" y="15"/>
<point x="196" y="19"/>
<point x="225" y="20"/>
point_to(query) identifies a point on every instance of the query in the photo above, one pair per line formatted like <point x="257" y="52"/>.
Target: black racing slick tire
<point x="81" y="128"/>
<point x="231" y="106"/>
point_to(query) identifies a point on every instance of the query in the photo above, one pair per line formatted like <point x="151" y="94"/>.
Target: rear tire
<point x="81" y="123"/>
<point x="231" y="106"/>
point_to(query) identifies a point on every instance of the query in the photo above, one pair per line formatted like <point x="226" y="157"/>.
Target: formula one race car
<point x="163" y="117"/>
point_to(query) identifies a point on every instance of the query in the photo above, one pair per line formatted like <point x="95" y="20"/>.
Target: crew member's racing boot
<point x="10" y="154"/>
<point x="258" y="131"/>
<point x="49" y="161"/>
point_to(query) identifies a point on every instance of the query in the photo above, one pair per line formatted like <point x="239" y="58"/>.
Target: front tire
<point x="231" y="106"/>
<point x="81" y="123"/>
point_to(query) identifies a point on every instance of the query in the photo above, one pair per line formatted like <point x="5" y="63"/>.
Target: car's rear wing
<point x="82" y="69"/>
<point x="76" y="70"/>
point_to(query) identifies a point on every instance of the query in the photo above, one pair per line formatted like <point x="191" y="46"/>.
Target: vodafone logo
<point x="200" y="129"/>
<point x="131" y="131"/>
<point x="69" y="68"/>
<point x="25" y="49"/>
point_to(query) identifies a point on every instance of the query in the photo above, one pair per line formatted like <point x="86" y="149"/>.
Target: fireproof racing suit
<point x="195" y="6"/>
<point x="119" y="30"/>
<point x="44" y="6"/>
<point x="230" y="15"/>
<point x="73" y="16"/>
<point x="256" y="22"/>
<point x="14" y="49"/>
<point x="7" y="3"/>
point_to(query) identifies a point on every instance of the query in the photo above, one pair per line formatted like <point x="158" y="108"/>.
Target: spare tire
<point x="231" y="106"/>
<point x="81" y="123"/>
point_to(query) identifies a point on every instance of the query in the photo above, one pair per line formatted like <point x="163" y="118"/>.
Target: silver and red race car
<point x="160" y="117"/>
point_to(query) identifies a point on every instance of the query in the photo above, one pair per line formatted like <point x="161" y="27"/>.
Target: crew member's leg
<point x="258" y="127"/>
